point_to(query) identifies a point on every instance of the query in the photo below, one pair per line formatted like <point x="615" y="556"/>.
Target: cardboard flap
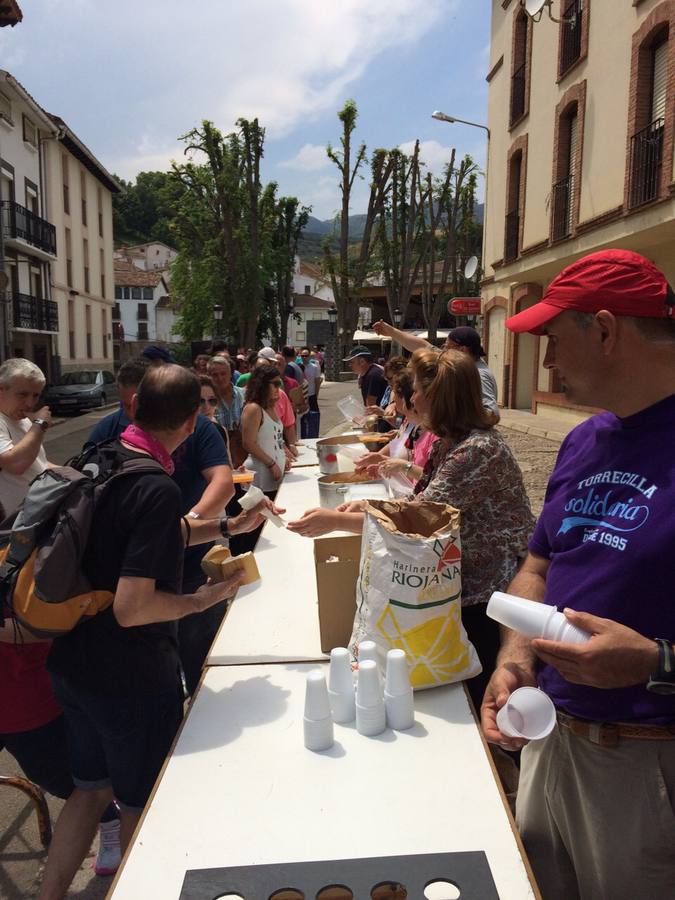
<point x="413" y="518"/>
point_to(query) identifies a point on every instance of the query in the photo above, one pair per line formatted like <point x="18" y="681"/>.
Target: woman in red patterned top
<point x="471" y="468"/>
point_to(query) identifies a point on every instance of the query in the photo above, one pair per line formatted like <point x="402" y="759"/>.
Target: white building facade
<point x="80" y="192"/>
<point x="29" y="321"/>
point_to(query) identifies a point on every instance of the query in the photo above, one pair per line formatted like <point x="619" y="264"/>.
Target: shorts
<point x="118" y="741"/>
<point x="42" y="754"/>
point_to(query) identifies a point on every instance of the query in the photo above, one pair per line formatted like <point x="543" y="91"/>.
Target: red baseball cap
<point x="620" y="281"/>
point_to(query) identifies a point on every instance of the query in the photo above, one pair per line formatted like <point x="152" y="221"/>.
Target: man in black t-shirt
<point x="117" y="675"/>
<point x="371" y="377"/>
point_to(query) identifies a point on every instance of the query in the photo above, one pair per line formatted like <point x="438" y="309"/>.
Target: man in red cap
<point x="596" y="803"/>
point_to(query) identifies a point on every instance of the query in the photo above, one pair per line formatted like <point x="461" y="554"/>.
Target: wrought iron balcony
<point x="517" y="93"/>
<point x="33" y="313"/>
<point x="511" y="236"/>
<point x="572" y="24"/>
<point x="646" y="159"/>
<point x="561" y="205"/>
<point x="19" y="223"/>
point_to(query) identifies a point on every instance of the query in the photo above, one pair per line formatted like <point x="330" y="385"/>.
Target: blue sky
<point x="129" y="77"/>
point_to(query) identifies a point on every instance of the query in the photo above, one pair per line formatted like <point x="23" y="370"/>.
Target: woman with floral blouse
<point x="471" y="468"/>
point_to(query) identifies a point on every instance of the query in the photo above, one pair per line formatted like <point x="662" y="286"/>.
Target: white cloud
<point x="433" y="154"/>
<point x="309" y="158"/>
<point x="153" y="69"/>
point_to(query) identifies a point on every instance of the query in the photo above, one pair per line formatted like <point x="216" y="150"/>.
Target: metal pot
<point x="333" y="488"/>
<point x="327" y="450"/>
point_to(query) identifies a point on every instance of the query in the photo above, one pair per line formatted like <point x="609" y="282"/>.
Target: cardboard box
<point x="219" y="565"/>
<point x="337" y="561"/>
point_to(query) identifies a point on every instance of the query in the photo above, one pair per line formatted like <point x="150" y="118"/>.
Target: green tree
<point x="144" y="210"/>
<point x="236" y="239"/>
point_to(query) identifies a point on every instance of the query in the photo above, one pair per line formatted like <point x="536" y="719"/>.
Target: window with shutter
<point x="659" y="81"/>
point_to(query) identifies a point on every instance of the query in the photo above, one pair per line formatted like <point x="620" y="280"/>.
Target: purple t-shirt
<point x="608" y="529"/>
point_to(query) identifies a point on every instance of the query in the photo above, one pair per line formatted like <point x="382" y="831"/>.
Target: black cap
<point x="468" y="337"/>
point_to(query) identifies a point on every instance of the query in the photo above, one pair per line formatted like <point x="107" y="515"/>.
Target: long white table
<point x="306" y="454"/>
<point x="276" y="619"/>
<point x="241" y="789"/>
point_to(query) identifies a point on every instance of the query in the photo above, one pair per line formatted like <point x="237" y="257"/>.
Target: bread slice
<point x="219" y="565"/>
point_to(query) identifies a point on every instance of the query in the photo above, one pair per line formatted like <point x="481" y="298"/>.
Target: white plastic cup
<point x="397" y="680"/>
<point x="317" y="706"/>
<point x="317" y="721"/>
<point x="370" y="712"/>
<point x="367" y="650"/>
<point x="537" y="620"/>
<point x="318" y="734"/>
<point x="528" y="713"/>
<point x="341" y="686"/>
<point x="398" y="693"/>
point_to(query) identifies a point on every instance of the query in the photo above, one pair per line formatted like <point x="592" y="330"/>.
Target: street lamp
<point x="332" y="362"/>
<point x="218" y="313"/>
<point x="397" y="317"/>
<point x="444" y="117"/>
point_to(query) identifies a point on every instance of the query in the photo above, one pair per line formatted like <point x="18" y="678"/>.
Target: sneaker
<point x="109" y="855"/>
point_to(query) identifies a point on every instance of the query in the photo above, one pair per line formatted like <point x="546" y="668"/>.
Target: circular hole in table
<point x="335" y="892"/>
<point x="441" y="889"/>
<point x="389" y="890"/>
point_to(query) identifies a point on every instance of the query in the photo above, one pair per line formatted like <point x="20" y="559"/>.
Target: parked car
<point x="76" y="391"/>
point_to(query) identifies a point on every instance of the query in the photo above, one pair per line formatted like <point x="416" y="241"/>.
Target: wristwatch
<point x="663" y="680"/>
<point x="223" y="527"/>
<point x="43" y="423"/>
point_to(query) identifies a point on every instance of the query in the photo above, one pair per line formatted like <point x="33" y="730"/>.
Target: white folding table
<point x="240" y="789"/>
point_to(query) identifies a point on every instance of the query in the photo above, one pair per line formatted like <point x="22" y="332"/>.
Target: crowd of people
<point x="92" y="716"/>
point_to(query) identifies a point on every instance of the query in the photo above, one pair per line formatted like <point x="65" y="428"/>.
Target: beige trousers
<point x="598" y="823"/>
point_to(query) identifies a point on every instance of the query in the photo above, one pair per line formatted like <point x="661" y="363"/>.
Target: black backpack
<point x="42" y="585"/>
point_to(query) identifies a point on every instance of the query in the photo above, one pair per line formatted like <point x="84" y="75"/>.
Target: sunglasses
<point x="212" y="401"/>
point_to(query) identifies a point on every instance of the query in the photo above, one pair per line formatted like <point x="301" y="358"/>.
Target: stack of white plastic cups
<point x="537" y="620"/>
<point x="398" y="692"/>
<point x="370" y="714"/>
<point x="318" y="723"/>
<point x="341" y="686"/>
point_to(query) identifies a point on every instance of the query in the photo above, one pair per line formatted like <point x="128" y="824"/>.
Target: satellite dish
<point x="535" y="7"/>
<point x="470" y="267"/>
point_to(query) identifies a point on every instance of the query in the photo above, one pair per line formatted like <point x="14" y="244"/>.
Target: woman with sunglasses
<point x="262" y="429"/>
<point x="208" y="403"/>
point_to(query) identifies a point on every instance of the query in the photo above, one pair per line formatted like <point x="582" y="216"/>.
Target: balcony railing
<point x="517" y="93"/>
<point x="511" y="235"/>
<point x="19" y="222"/>
<point x="572" y="24"/>
<point x="646" y="159"/>
<point x="34" y="313"/>
<point x="561" y="201"/>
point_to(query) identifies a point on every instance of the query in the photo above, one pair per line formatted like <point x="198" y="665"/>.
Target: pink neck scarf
<point x="136" y="437"/>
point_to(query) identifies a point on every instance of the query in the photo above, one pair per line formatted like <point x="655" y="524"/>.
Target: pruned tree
<point x="451" y="202"/>
<point x="348" y="269"/>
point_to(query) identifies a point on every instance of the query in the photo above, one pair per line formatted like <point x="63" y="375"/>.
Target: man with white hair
<point x="22" y="430"/>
